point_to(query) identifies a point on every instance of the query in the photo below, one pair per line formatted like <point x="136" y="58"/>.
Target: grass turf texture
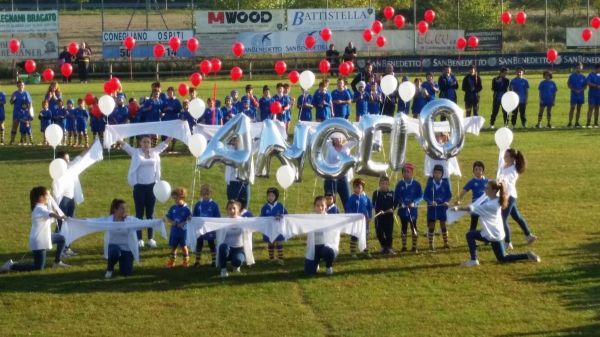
<point x="421" y="294"/>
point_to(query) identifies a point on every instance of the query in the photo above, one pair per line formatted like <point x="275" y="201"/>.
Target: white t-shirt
<point x="319" y="238"/>
<point x="509" y="176"/>
<point x="490" y="216"/>
<point x="40" y="236"/>
<point x="145" y="174"/>
<point x="119" y="237"/>
<point x="233" y="237"/>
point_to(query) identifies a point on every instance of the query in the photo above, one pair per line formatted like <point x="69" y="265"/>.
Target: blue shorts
<point x="306" y="116"/>
<point x="44" y="124"/>
<point x="436" y="213"/>
<point x="408" y="214"/>
<point x="278" y="238"/>
<point x="546" y="104"/>
<point x="81" y="126"/>
<point x="2" y="116"/>
<point x="577" y="98"/>
<point x="593" y="99"/>
<point x="70" y="125"/>
<point x="177" y="237"/>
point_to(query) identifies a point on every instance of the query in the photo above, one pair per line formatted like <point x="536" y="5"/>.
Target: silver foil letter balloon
<point x="319" y="143"/>
<point x="454" y="115"/>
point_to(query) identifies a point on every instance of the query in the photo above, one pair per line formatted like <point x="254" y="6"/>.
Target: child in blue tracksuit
<point x="98" y="122"/>
<point x="214" y="116"/>
<point x="520" y="86"/>
<point x="477" y="186"/>
<point x="187" y="116"/>
<point x="437" y="195"/>
<point x="322" y="101"/>
<point x="81" y="117"/>
<point x="361" y="100"/>
<point x="70" y="123"/>
<point x="178" y="215"/>
<point x="264" y="104"/>
<point x="548" y="91"/>
<point x="577" y="83"/>
<point x="420" y="99"/>
<point x="17" y="99"/>
<point x="228" y="111"/>
<point x="359" y="203"/>
<point x="284" y="101"/>
<point x="120" y="114"/>
<point x="287" y="105"/>
<point x="208" y="208"/>
<point x="408" y="194"/>
<point x="151" y="108"/>
<point x="330" y="202"/>
<point x="341" y="98"/>
<point x="431" y="86"/>
<point x="59" y="115"/>
<point x="305" y="106"/>
<point x="25" y="124"/>
<point x="375" y="98"/>
<point x="45" y="117"/>
<point x="170" y="112"/>
<point x="246" y="110"/>
<point x="274" y="208"/>
<point x="2" y="116"/>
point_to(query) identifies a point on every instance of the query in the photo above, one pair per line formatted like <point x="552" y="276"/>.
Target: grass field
<point x="425" y="294"/>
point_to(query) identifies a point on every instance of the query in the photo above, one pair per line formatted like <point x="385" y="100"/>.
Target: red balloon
<point x="129" y="43"/>
<point x="294" y="76"/>
<point x="30" y="66"/>
<point x="14" y="45"/>
<point x="324" y="66"/>
<point x="586" y="34"/>
<point x="505" y="17"/>
<point x="276" y="108"/>
<point x="429" y="15"/>
<point x="48" y="75"/>
<point x="399" y="21"/>
<point x="216" y="65"/>
<point x="89" y="98"/>
<point x="280" y="67"/>
<point x="73" y="48"/>
<point x="108" y="88"/>
<point x="325" y="34"/>
<point x="205" y="67"/>
<point x="351" y="65"/>
<point x="380" y="42"/>
<point x="115" y="83"/>
<point x="236" y="73"/>
<point x="461" y="43"/>
<point x="196" y="79"/>
<point x="521" y="18"/>
<point x="66" y="70"/>
<point x="388" y="12"/>
<point x="377" y="26"/>
<point x="422" y="27"/>
<point x="183" y="89"/>
<point x="368" y="35"/>
<point x="344" y="69"/>
<point x="473" y="41"/>
<point x="552" y="55"/>
<point x="595" y="22"/>
<point x="238" y="49"/>
<point x="174" y="43"/>
<point x="159" y="50"/>
<point x="309" y="42"/>
<point x="192" y="45"/>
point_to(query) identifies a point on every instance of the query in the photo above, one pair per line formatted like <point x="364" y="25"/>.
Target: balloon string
<point x="314" y="187"/>
<point x="194" y="181"/>
<point x="284" y="195"/>
<point x="213" y="106"/>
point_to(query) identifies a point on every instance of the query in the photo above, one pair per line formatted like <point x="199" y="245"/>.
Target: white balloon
<point x="58" y="168"/>
<point x="510" y="101"/>
<point x="307" y="79"/>
<point x="106" y="104"/>
<point x="162" y="191"/>
<point x="197" y="144"/>
<point x="197" y="107"/>
<point x="54" y="135"/>
<point x="407" y="91"/>
<point x="389" y="84"/>
<point x="285" y="176"/>
<point x="503" y="138"/>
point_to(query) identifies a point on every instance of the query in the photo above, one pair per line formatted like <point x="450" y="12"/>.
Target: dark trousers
<point x="384" y="228"/>
<point x="472" y="106"/>
<point x="322" y="252"/>
<point x="234" y="254"/>
<point x="513" y="211"/>
<point x="474" y="220"/>
<point x="237" y="190"/>
<point x="144" y="200"/>
<point x="200" y="244"/>
<point x="39" y="256"/>
<point x="339" y="186"/>
<point x="123" y="257"/>
<point x="404" y="223"/>
<point x="83" y="68"/>
<point x="497" y="247"/>
<point x="521" y="111"/>
<point x="67" y="205"/>
<point x="496" y="107"/>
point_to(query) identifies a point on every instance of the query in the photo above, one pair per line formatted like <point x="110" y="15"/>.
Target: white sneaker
<point x="492" y="127"/>
<point x="237" y="270"/>
<point x="108" y="274"/>
<point x="6" y="267"/>
<point x="471" y="263"/>
<point x="224" y="273"/>
<point x="530" y="239"/>
<point x="533" y="257"/>
<point x="280" y="262"/>
<point x="508" y="246"/>
<point x="69" y="252"/>
<point x="151" y="243"/>
<point x="329" y="271"/>
<point x="141" y="243"/>
<point x="60" y="264"/>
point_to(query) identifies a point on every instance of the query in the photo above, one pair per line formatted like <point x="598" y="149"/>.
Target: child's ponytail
<point x="520" y="162"/>
<point x="502" y="197"/>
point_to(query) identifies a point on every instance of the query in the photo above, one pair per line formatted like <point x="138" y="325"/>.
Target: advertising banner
<point x="37" y="46"/>
<point x="29" y="22"/>
<point x="334" y="18"/>
<point x="490" y="39"/>
<point x="574" y="39"/>
<point x="239" y="21"/>
<point x="117" y="37"/>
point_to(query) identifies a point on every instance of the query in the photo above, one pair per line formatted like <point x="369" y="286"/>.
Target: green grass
<point x="408" y="295"/>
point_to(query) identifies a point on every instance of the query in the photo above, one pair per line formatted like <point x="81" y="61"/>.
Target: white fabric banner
<point x="239" y="21"/>
<point x="335" y="19"/>
<point x="176" y="129"/>
<point x="208" y="131"/>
